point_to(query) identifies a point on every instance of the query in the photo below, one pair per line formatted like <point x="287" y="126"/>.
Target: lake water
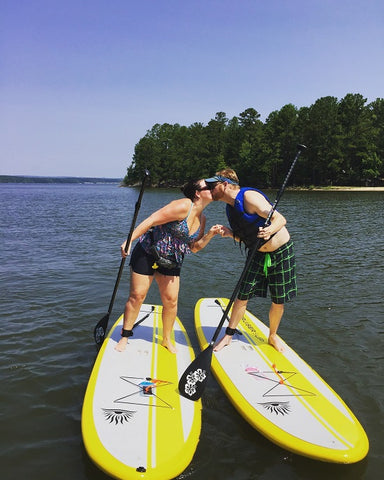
<point x="59" y="258"/>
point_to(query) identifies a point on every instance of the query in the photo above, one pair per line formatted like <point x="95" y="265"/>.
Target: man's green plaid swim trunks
<point x="276" y="270"/>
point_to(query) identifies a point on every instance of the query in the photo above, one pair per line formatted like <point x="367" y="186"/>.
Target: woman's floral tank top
<point x="172" y="239"/>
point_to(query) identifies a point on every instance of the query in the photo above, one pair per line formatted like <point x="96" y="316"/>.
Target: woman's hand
<point x="124" y="253"/>
<point x="215" y="230"/>
<point x="204" y="240"/>
<point x="225" y="231"/>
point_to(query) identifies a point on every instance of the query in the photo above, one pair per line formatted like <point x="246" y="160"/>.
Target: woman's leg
<point x="138" y="291"/>
<point x="169" y="292"/>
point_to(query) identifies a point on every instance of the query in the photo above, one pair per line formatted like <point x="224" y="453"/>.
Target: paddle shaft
<point x="144" y="318"/>
<point x="257" y="245"/>
<point x="222" y="309"/>
<point x="137" y="208"/>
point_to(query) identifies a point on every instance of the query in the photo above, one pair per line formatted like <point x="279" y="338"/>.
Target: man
<point x="274" y="263"/>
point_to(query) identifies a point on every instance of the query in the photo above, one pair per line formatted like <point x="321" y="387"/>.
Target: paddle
<point x="101" y="327"/>
<point x="222" y="309"/>
<point x="193" y="381"/>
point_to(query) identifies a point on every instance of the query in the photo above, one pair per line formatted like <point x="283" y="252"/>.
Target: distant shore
<point x="38" y="179"/>
<point x="119" y="181"/>
<point x="339" y="189"/>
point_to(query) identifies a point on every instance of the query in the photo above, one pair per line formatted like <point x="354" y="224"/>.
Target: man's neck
<point x="230" y="195"/>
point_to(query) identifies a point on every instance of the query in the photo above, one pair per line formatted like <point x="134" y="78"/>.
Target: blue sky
<point x="81" y="81"/>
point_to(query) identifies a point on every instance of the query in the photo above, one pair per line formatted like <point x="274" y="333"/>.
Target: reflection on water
<point x="59" y="260"/>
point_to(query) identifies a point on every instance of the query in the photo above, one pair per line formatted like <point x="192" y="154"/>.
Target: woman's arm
<point x="203" y="239"/>
<point x="175" y="210"/>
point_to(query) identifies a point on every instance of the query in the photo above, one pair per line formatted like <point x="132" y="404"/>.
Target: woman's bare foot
<point x="275" y="342"/>
<point x="225" y="341"/>
<point x="169" y="346"/>
<point x="121" y="345"/>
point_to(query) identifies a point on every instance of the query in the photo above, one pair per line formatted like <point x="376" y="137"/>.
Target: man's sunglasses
<point x="208" y="186"/>
<point x="211" y="185"/>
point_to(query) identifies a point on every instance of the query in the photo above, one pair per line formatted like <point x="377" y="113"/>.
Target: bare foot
<point x="120" y="347"/>
<point x="275" y="342"/>
<point x="169" y="346"/>
<point x="226" y="340"/>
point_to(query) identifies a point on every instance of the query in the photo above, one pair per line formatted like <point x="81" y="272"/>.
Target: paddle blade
<point x="193" y="381"/>
<point x="100" y="330"/>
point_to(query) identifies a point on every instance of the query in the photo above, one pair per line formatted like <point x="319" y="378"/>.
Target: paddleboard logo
<point x="279" y="408"/>
<point x="117" y="416"/>
<point x="193" y="378"/>
<point x="252" y="330"/>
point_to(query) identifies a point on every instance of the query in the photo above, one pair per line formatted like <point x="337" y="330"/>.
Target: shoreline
<point x="338" y="189"/>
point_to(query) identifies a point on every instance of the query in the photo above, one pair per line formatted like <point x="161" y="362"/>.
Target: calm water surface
<point x="59" y="257"/>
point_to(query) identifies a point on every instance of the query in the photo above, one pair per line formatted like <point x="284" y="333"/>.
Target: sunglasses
<point x="203" y="188"/>
<point x="211" y="185"/>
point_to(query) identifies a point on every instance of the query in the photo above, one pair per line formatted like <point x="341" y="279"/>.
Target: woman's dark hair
<point x="190" y="189"/>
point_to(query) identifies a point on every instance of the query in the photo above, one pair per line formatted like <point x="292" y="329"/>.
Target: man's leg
<point x="275" y="315"/>
<point x="238" y="310"/>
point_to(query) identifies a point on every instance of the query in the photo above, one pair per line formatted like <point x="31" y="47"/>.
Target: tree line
<point x="345" y="140"/>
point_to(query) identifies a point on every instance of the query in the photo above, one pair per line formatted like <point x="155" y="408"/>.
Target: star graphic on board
<point x="278" y="389"/>
<point x="143" y="389"/>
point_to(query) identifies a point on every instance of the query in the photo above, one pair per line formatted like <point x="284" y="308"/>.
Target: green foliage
<point x="345" y="140"/>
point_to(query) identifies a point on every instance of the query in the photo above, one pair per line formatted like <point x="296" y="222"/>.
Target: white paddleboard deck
<point x="134" y="422"/>
<point x="278" y="393"/>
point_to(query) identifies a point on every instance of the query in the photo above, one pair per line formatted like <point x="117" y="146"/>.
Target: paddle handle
<point x="133" y="223"/>
<point x="257" y="245"/>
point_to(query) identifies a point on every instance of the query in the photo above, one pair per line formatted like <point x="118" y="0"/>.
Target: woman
<point x="164" y="238"/>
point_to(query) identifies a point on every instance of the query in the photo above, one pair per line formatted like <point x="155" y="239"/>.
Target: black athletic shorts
<point x="143" y="263"/>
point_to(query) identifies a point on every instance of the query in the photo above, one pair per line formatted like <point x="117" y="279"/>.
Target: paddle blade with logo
<point x="100" y="330"/>
<point x="193" y="381"/>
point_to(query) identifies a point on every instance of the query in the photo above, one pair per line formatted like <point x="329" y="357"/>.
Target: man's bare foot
<point x="275" y="342"/>
<point x="226" y="340"/>
<point x="121" y="345"/>
<point x="169" y="346"/>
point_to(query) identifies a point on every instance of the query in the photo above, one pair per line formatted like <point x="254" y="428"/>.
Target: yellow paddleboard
<point x="278" y="393"/>
<point x="135" y="425"/>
